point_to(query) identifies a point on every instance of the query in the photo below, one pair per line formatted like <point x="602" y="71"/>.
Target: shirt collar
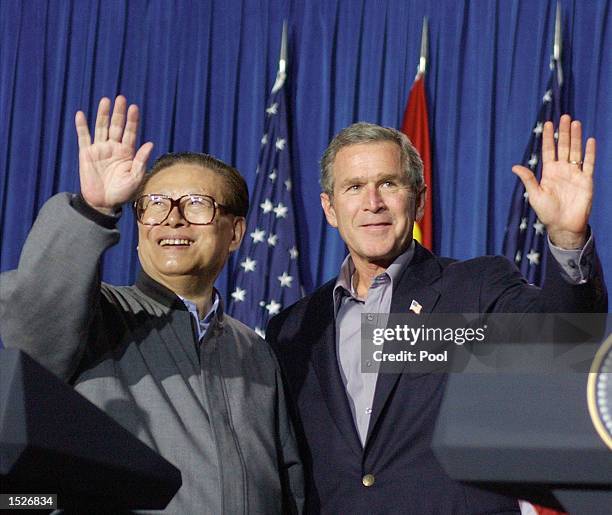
<point x="202" y="324"/>
<point x="344" y="283"/>
<point x="192" y="308"/>
<point x="168" y="298"/>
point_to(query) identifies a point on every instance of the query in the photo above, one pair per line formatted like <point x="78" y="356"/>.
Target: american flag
<point x="266" y="277"/>
<point x="525" y="237"/>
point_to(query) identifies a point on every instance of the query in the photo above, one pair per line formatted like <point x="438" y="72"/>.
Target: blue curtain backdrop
<point x="201" y="72"/>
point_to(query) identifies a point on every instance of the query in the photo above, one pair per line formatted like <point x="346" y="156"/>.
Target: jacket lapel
<point x="417" y="282"/>
<point x="325" y="364"/>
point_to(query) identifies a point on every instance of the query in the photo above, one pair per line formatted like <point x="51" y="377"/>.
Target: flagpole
<point x="424" y="44"/>
<point x="524" y="239"/>
<point x="558" y="43"/>
<point x="267" y="274"/>
<point x="281" y="74"/>
<point x="415" y="125"/>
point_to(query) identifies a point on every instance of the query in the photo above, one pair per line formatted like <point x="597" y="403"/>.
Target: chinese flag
<point x="416" y="127"/>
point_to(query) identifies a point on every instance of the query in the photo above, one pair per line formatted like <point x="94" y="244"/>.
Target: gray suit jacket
<point x="214" y="409"/>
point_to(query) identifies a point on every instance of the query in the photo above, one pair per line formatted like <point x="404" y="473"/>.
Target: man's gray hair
<point x="362" y="132"/>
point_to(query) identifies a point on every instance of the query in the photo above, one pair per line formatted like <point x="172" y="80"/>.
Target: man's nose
<point x="373" y="199"/>
<point x="175" y="218"/>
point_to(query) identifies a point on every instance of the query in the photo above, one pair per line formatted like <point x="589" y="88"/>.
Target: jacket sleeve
<point x="291" y="470"/>
<point x="504" y="290"/>
<point x="48" y="304"/>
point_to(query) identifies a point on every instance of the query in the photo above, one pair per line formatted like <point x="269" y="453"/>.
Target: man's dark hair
<point x="236" y="194"/>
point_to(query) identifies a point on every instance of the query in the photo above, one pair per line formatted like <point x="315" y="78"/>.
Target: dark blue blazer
<point x="407" y="476"/>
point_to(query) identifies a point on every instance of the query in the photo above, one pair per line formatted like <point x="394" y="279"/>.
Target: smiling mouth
<point x="378" y="225"/>
<point x="175" y="242"/>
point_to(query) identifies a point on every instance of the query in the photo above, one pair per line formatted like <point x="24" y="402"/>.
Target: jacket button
<point x="368" y="480"/>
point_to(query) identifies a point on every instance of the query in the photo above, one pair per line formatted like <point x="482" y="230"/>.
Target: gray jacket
<point x="215" y="409"/>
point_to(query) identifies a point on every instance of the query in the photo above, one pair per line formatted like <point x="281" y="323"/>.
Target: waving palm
<point x="562" y="199"/>
<point x="110" y="171"/>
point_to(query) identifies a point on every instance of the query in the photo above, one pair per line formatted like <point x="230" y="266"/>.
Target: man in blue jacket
<point x="366" y="437"/>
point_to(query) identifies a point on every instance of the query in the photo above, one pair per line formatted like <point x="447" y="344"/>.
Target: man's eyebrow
<point x="360" y="179"/>
<point x="353" y="180"/>
<point x="393" y="176"/>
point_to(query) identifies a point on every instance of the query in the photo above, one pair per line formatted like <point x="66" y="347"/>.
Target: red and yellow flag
<point x="416" y="126"/>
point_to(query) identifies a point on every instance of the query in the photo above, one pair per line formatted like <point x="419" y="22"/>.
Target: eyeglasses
<point x="154" y="209"/>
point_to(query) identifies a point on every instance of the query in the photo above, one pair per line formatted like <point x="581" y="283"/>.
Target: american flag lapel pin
<point x="415" y="307"/>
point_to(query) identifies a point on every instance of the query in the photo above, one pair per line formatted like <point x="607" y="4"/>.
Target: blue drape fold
<point x="201" y="72"/>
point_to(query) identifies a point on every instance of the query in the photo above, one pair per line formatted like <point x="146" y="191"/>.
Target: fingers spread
<point x="131" y="127"/>
<point x="82" y="130"/>
<point x="563" y="147"/>
<point x="142" y="156"/>
<point x="575" y="153"/>
<point x="548" y="143"/>
<point x="118" y="119"/>
<point x="101" y="129"/>
<point x="589" y="157"/>
<point x="527" y="178"/>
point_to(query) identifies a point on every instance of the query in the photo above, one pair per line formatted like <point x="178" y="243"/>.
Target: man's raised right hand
<point x="109" y="170"/>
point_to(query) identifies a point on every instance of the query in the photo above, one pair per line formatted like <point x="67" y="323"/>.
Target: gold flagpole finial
<point x="281" y="74"/>
<point x="424" y="44"/>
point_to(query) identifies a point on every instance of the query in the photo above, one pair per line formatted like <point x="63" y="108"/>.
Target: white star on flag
<point x="556" y="135"/>
<point x="525" y="236"/>
<point x="539" y="227"/>
<point x="281" y="210"/>
<point x="285" y="280"/>
<point x="258" y="235"/>
<point x="239" y="294"/>
<point x="272" y="221"/>
<point x="538" y="129"/>
<point x="266" y="206"/>
<point x="248" y="264"/>
<point x="533" y="162"/>
<point x="533" y="257"/>
<point x="273" y="307"/>
<point x="293" y="253"/>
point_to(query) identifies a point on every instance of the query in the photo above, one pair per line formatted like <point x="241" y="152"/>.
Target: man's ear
<point x="239" y="228"/>
<point x="420" y="204"/>
<point x="328" y="209"/>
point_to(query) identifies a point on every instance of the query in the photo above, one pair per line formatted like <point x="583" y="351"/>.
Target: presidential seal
<point x="599" y="392"/>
